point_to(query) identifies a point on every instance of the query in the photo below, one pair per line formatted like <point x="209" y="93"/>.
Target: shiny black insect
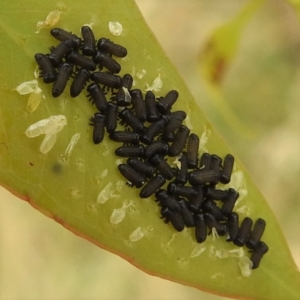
<point x="182" y="174"/>
<point x="131" y="175"/>
<point x="125" y="137"/>
<point x="152" y="186"/>
<point x="215" y="162"/>
<point x="243" y="232"/>
<point x="58" y="53"/>
<point x="175" y="218"/>
<point x="187" y="215"/>
<point x="192" y="150"/>
<point x="205" y="161"/>
<point x="152" y="112"/>
<point x="227" y="169"/>
<point x="62" y="78"/>
<point x="107" y="79"/>
<point x="179" y="141"/>
<point x="196" y="200"/>
<point x="97" y="97"/>
<point x="164" y="105"/>
<point x="89" y="42"/>
<point x="167" y="200"/>
<point x="233" y="226"/>
<point x="229" y="201"/>
<point x="112" y="48"/>
<point x="130" y="151"/>
<point x="47" y="70"/>
<point x="200" y="228"/>
<point x="79" y="82"/>
<point x="107" y="61"/>
<point x="212" y="222"/>
<point x="63" y="35"/>
<point x="122" y="97"/>
<point x="260" y="250"/>
<point x="153" y="131"/>
<point x="112" y="117"/>
<point x="204" y="176"/>
<point x="157" y="147"/>
<point x="131" y="120"/>
<point x="81" y="61"/>
<point x="256" y="234"/>
<point x="175" y="121"/>
<point x="212" y="208"/>
<point x="98" y="121"/>
<point x="127" y="81"/>
<point x="138" y="104"/>
<point x="162" y="166"/>
<point x="182" y="191"/>
<point x="142" y="167"/>
<point x="214" y="194"/>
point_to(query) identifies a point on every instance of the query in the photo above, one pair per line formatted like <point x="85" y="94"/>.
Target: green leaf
<point x="67" y="188"/>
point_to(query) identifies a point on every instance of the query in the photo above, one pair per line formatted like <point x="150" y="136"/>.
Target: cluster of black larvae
<point x="152" y="134"/>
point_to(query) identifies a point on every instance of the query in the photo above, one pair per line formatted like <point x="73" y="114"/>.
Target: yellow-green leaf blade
<point x="68" y="189"/>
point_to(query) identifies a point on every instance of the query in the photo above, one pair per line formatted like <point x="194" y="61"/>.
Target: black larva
<point x="107" y="62"/>
<point x="128" y="137"/>
<point x="142" y="167"/>
<point x="58" y="53"/>
<point x="63" y="35"/>
<point x="152" y="186"/>
<point x="62" y="78"/>
<point x="97" y="97"/>
<point x="47" y="70"/>
<point x="112" y="116"/>
<point x="131" y="175"/>
<point x="79" y="82"/>
<point x="130" y="151"/>
<point x="89" y="42"/>
<point x="98" y="121"/>
<point x="107" y="79"/>
<point x="81" y="61"/>
<point x="192" y="199"/>
<point x="112" y="48"/>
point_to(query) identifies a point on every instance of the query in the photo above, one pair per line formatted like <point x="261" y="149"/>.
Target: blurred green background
<point x="260" y="88"/>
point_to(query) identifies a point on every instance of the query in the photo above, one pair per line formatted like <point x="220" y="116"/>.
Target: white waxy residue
<point x="104" y="195"/>
<point x="104" y="174"/>
<point x="156" y="85"/>
<point x="203" y="140"/>
<point x="50" y="127"/>
<point x="225" y="253"/>
<point x="136" y="235"/>
<point x="115" y="28"/>
<point x="127" y="95"/>
<point x="188" y="121"/>
<point x="51" y="20"/>
<point x="198" y="250"/>
<point x="31" y="87"/>
<point x="214" y="233"/>
<point x="243" y="210"/>
<point x="74" y="139"/>
<point x="245" y="265"/>
<point x="118" y="214"/>
<point x="141" y="74"/>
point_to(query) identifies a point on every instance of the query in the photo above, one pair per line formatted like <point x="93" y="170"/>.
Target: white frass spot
<point x="214" y="234"/>
<point x="245" y="265"/>
<point x="203" y="140"/>
<point x="74" y="139"/>
<point x="176" y="161"/>
<point x="141" y="74"/>
<point x="225" y="253"/>
<point x="197" y="251"/>
<point x="118" y="214"/>
<point x="119" y="161"/>
<point x="37" y="72"/>
<point x="51" y="20"/>
<point x="115" y="28"/>
<point x="50" y="127"/>
<point x="156" y="85"/>
<point x="119" y="185"/>
<point x="127" y="95"/>
<point x="104" y="174"/>
<point x="136" y="235"/>
<point x="245" y="210"/>
<point x="188" y="121"/>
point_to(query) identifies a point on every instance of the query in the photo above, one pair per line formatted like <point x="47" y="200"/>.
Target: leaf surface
<point x="67" y="188"/>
